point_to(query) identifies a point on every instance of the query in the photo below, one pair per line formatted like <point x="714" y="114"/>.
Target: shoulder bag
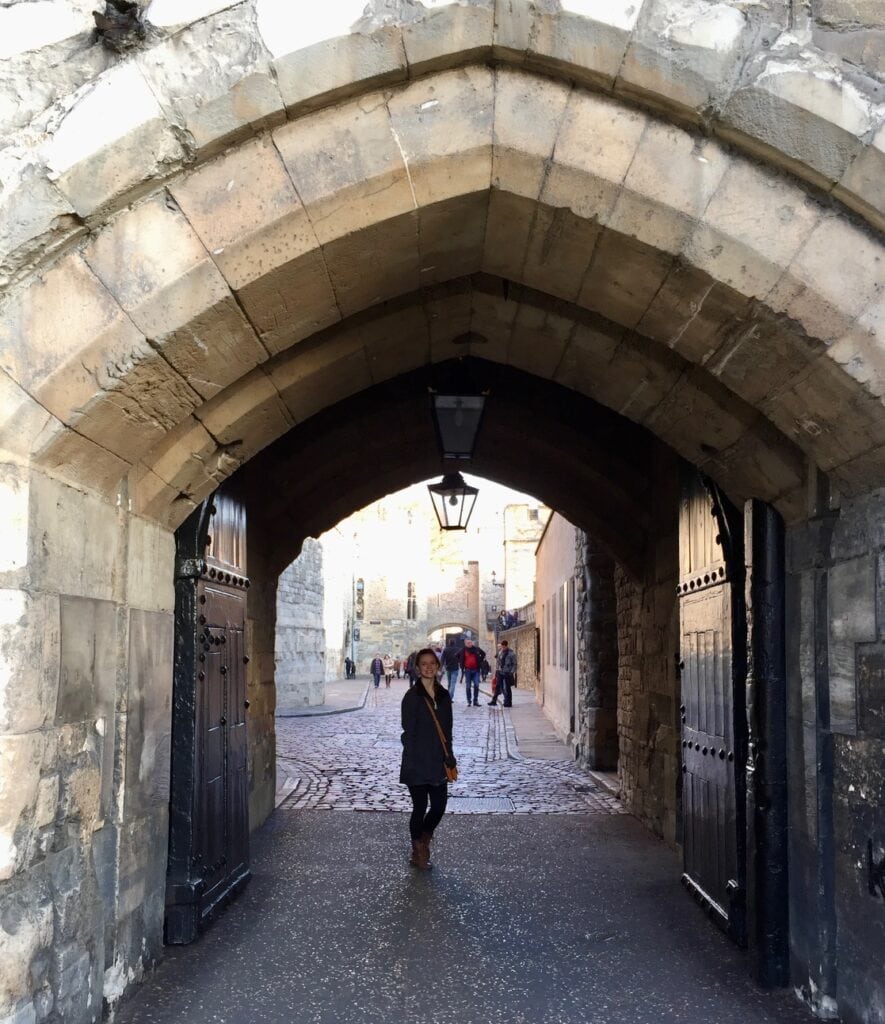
<point x="451" y="769"/>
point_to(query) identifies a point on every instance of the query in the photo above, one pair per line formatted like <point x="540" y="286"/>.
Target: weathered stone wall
<point x="523" y="642"/>
<point x="85" y="713"/>
<point x="597" y="654"/>
<point x="648" y="685"/>
<point x="836" y="735"/>
<point x="301" y="639"/>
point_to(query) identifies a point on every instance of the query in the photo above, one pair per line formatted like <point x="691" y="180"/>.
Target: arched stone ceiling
<point x="595" y="467"/>
<point x="691" y="290"/>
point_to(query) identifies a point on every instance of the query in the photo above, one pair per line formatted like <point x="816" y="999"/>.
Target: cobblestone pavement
<point x="351" y="762"/>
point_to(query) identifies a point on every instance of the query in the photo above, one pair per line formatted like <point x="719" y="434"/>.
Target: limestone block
<point x="760" y="357"/>
<point x="492" y="317"/>
<point x="323" y="56"/>
<point x="215" y="79"/>
<point x="451" y="238"/>
<point x="685" y="54"/>
<point x="863" y="185"/>
<point x="149" y="712"/>
<point x="834" y="278"/>
<point x="246" y="417"/>
<point x="27" y="938"/>
<point x="443" y="126"/>
<point x="623" y="279"/>
<point x="151" y="565"/>
<point x="823" y="413"/>
<point x="858" y="475"/>
<point x="320" y="378"/>
<point x="539" y="339"/>
<point x="692" y="314"/>
<point x="154" y="498"/>
<point x="114" y="140"/>
<point x="262" y="241"/>
<point x="71" y="346"/>
<point x="189" y="460"/>
<point x="594" y="148"/>
<point x="671" y="180"/>
<point x="585" y="38"/>
<point x="804" y="117"/>
<point x="449" y="33"/>
<point x="155" y="266"/>
<point x="71" y="457"/>
<point x="31" y="26"/>
<point x="19" y="783"/>
<point x="528" y="113"/>
<point x="88" y="660"/>
<point x="174" y="15"/>
<point x="861" y="351"/>
<point x="508" y="225"/>
<point x="35" y="218"/>
<point x="752" y="228"/>
<point x="390" y="248"/>
<point x="347" y="166"/>
<point x="66" y="559"/>
<point x="22" y="420"/>
<point x="29" y="659"/>
<point x="47" y="801"/>
<point x="699" y="417"/>
<point x="560" y="249"/>
<point x="851" y="596"/>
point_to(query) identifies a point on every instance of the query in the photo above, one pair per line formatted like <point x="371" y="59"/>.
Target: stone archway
<point x="189" y="282"/>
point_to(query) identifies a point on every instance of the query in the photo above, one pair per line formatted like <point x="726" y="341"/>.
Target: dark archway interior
<point x="596" y="468"/>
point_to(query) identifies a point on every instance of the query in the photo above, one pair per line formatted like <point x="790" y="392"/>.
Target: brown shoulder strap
<point x="441" y="734"/>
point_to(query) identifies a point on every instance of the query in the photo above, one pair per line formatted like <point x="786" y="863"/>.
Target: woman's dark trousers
<point x="424" y="821"/>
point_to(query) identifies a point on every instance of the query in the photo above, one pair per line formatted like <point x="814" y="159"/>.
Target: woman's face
<point x="427" y="666"/>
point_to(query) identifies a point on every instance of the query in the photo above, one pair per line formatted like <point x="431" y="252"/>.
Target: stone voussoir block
<point x="335" y="53"/>
<point x="685" y="55"/>
<point x="114" y="142"/>
<point x="220" y="101"/>
<point x="806" y="118"/>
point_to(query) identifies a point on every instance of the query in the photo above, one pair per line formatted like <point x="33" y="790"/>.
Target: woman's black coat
<point x="423" y="757"/>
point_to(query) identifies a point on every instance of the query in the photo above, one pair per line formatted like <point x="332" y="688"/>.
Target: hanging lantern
<point x="457" y="419"/>
<point x="453" y="501"/>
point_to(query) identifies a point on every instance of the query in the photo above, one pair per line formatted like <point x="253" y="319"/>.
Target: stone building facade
<point x="300" y="648"/>
<point x="192" y="290"/>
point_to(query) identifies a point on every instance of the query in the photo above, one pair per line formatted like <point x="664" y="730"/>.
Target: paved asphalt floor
<point x="568" y="916"/>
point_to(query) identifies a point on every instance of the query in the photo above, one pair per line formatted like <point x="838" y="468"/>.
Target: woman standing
<point x="388" y="669"/>
<point x="426" y="710"/>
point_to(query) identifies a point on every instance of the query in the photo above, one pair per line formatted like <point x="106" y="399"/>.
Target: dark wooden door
<point x="209" y="820"/>
<point x="713" y="658"/>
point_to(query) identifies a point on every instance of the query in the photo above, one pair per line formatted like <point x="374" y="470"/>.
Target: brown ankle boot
<point x="425" y="841"/>
<point x="419" y="855"/>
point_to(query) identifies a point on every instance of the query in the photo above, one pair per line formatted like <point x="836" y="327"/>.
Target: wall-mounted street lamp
<point x="453" y="500"/>
<point x="495" y="583"/>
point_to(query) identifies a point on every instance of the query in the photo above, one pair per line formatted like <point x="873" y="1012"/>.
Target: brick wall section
<point x="596" y="651"/>
<point x="648" y="693"/>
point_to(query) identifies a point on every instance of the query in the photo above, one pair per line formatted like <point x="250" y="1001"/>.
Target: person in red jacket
<point x="470" y="659"/>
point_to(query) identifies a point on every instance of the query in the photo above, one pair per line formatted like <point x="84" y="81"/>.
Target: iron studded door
<point x="712" y="711"/>
<point x="208" y="805"/>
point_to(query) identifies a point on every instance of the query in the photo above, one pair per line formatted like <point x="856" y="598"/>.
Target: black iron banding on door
<point x="713" y="664"/>
<point x="208" y="821"/>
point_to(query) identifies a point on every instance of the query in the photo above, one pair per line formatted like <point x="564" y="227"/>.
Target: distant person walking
<point x="348" y="668"/>
<point x="426" y="712"/>
<point x="453" y="667"/>
<point x="388" y="669"/>
<point x="470" y="659"/>
<point x="376" y="670"/>
<point x="506" y="662"/>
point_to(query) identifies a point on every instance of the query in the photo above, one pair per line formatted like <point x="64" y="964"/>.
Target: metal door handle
<point x="223" y="720"/>
<point x="245" y="703"/>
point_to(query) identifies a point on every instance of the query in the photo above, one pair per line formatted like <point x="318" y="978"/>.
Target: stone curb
<point x="322" y="711"/>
